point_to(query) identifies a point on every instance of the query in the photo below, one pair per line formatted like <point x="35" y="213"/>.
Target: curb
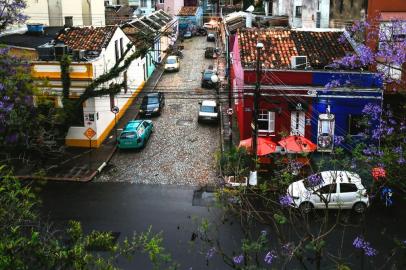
<point x="69" y="179"/>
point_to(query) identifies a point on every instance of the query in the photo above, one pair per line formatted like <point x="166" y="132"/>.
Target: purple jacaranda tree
<point x="17" y="112"/>
<point x="11" y="13"/>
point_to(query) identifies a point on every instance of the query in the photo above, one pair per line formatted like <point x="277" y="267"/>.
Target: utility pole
<point x="256" y="103"/>
<point x="230" y="96"/>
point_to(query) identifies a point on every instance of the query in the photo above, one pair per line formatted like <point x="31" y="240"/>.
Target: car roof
<point x="210" y="103"/>
<point x="132" y="125"/>
<point x="154" y="94"/>
<point x="340" y="177"/>
<point x="210" y="34"/>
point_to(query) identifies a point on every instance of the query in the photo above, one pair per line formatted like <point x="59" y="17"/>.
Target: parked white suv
<point x="208" y="111"/>
<point x="329" y="189"/>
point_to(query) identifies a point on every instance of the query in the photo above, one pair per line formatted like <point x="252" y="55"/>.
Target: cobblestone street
<point x="180" y="151"/>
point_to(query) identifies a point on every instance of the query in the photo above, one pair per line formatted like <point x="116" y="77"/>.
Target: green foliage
<point x="234" y="162"/>
<point x="27" y="243"/>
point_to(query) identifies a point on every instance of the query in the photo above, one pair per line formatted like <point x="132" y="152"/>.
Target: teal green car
<point x="135" y="134"/>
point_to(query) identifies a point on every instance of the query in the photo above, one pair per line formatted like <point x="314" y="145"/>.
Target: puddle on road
<point x="184" y="122"/>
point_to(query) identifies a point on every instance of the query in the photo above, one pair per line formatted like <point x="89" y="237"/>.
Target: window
<point x="355" y="124"/>
<point x="348" y="187"/>
<point x="298" y="13"/>
<point x="144" y="3"/>
<point x="328" y="189"/>
<point x="145" y="124"/>
<point x="266" y="121"/>
<point x="121" y="47"/>
<point x="116" y="50"/>
<point x="161" y="1"/>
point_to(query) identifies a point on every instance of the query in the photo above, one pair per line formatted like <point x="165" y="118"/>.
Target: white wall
<point x="100" y="106"/>
<point x="309" y="12"/>
<point x="37" y="10"/>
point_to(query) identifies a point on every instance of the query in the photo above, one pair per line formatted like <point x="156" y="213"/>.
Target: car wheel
<point x="359" y="207"/>
<point x="306" y="207"/>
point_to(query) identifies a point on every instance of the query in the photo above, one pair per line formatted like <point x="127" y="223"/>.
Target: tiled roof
<point x="87" y="38"/>
<point x="321" y="48"/>
<point x="118" y="14"/>
<point x="187" y="11"/>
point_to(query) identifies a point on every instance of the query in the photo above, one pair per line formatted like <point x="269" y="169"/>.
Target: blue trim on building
<point x="355" y="79"/>
<point x="342" y="108"/>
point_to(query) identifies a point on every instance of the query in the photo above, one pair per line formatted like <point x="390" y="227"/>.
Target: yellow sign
<point x="89" y="133"/>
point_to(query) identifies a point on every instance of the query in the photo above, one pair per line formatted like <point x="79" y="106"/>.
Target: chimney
<point x="266" y="7"/>
<point x="68" y="21"/>
<point x="248" y="16"/>
<point x="248" y="20"/>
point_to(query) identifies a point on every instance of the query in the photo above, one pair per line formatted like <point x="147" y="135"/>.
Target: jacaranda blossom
<point x="238" y="259"/>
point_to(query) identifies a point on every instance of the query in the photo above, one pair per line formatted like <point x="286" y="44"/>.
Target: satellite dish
<point x="250" y="8"/>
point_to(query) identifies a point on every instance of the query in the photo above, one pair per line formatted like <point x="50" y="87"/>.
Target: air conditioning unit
<point x="46" y="52"/>
<point x="60" y="51"/>
<point x="299" y="62"/>
<point x="79" y="55"/>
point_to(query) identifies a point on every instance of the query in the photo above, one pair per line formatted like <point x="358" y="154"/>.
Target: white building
<point x="95" y="51"/>
<point x="63" y="12"/>
<point x="304" y="13"/>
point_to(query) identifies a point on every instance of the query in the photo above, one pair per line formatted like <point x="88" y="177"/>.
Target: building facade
<point x="190" y="17"/>
<point x="294" y="98"/>
<point x="98" y="50"/>
<point x="303" y="13"/>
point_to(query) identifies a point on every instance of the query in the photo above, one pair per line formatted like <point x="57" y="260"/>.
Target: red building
<point x="293" y="96"/>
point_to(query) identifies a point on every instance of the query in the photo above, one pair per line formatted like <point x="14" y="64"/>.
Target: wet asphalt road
<point x="124" y="208"/>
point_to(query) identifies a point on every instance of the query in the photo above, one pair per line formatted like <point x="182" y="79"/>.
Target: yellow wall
<point x="106" y="132"/>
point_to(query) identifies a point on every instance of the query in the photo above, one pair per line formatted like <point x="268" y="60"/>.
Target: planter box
<point x="241" y="181"/>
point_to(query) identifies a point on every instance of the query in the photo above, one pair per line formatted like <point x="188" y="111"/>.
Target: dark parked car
<point x="211" y="37"/>
<point x="152" y="104"/>
<point x="206" y="78"/>
<point x="187" y="34"/>
<point x="210" y="53"/>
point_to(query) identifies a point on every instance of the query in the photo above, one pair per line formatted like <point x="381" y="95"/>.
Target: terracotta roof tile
<point x="321" y="48"/>
<point x="187" y="11"/>
<point x="87" y="38"/>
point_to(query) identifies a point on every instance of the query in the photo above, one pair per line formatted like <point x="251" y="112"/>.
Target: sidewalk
<point x="83" y="164"/>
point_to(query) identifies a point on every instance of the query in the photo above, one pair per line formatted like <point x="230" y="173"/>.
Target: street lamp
<point x="259" y="47"/>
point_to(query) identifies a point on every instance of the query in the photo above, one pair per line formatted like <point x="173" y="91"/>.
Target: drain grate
<point x="184" y="122"/>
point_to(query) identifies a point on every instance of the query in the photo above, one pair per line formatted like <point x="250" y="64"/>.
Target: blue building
<point x="189" y="18"/>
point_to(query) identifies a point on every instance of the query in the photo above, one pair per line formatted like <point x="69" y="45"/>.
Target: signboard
<point x="89" y="133"/>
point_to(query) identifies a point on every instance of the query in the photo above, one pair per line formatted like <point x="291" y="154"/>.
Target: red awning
<point x="265" y="145"/>
<point x="297" y="144"/>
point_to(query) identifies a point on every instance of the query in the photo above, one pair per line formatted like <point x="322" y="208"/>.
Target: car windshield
<point x="128" y="135"/>
<point x="171" y="61"/>
<point x="207" y="75"/>
<point x="150" y="100"/>
<point x="208" y="109"/>
<point x="313" y="181"/>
